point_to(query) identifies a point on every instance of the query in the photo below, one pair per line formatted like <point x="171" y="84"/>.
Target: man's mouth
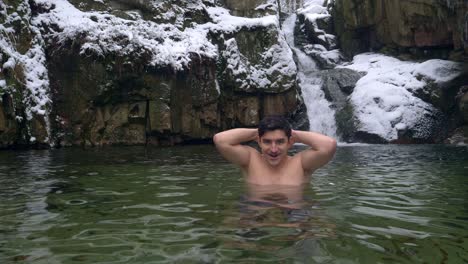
<point x="273" y="155"/>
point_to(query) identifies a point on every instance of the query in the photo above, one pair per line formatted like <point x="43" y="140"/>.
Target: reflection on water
<point x="372" y="204"/>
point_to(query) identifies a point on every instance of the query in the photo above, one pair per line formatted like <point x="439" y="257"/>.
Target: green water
<point x="372" y="204"/>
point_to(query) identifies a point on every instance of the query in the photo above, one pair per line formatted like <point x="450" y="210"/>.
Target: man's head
<point x="274" y="134"/>
<point x="274" y="122"/>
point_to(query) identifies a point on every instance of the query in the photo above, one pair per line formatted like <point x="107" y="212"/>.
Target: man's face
<point x="274" y="146"/>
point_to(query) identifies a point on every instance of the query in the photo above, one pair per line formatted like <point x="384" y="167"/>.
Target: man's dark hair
<point x="274" y="122"/>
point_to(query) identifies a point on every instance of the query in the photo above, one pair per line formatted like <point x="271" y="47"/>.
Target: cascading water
<point x="321" y="115"/>
<point x="290" y="6"/>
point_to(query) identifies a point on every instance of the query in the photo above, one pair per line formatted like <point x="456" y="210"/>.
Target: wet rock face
<point x="424" y="28"/>
<point x="102" y="102"/>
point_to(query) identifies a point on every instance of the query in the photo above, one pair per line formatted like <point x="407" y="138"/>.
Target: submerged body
<point x="285" y="196"/>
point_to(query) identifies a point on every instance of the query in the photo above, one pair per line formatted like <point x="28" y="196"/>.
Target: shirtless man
<point x="272" y="165"/>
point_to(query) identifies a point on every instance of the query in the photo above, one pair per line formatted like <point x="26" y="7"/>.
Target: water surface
<point x="372" y="204"/>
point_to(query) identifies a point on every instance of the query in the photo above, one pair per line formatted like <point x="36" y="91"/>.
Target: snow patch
<point x="439" y="71"/>
<point x="224" y="22"/>
<point x="33" y="65"/>
<point x="383" y="99"/>
<point x="103" y="33"/>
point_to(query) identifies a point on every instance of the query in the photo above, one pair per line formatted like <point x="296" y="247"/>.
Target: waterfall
<point x="321" y="115"/>
<point x="289" y="6"/>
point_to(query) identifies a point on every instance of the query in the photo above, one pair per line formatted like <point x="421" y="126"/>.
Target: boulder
<point x="384" y="105"/>
<point x="339" y="83"/>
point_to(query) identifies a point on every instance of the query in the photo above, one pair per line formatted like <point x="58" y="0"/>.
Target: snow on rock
<point x="439" y="71"/>
<point x="327" y="58"/>
<point x="383" y="99"/>
<point x="104" y="33"/>
<point x="250" y="76"/>
<point x="33" y="63"/>
<point x="275" y="69"/>
<point x="167" y="44"/>
<point x="224" y="22"/>
<point x="314" y="9"/>
<point x="316" y="23"/>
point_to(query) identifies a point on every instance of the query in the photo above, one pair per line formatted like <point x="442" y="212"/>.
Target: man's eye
<point x="280" y="142"/>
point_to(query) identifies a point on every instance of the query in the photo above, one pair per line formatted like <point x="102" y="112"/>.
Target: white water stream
<point x="321" y="116"/>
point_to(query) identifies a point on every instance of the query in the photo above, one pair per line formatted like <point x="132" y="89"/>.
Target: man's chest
<point x="262" y="174"/>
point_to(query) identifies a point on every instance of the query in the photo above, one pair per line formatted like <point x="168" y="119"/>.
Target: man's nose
<point x="274" y="147"/>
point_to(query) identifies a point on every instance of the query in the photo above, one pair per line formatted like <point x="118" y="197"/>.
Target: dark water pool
<point x="372" y="204"/>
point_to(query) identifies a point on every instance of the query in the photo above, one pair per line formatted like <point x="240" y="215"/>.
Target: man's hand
<point x="293" y="139"/>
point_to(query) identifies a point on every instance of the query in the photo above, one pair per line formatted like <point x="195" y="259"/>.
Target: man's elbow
<point x="331" y="146"/>
<point x="217" y="139"/>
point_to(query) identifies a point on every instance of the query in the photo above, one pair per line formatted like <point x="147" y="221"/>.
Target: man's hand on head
<point x="294" y="138"/>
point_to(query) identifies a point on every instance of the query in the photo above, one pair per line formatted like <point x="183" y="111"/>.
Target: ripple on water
<point x="76" y="202"/>
<point x="171" y="194"/>
<point x="391" y="230"/>
<point x="373" y="204"/>
<point x="166" y="207"/>
<point x="391" y="214"/>
<point x="173" y="187"/>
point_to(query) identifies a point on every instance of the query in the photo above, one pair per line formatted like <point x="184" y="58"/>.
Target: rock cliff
<point x="416" y="29"/>
<point x="139" y="72"/>
<point x="104" y="72"/>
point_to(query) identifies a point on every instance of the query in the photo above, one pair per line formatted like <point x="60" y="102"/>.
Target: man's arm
<point x="229" y="145"/>
<point x="322" y="149"/>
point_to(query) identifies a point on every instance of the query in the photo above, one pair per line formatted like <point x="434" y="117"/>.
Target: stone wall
<point x="416" y="29"/>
